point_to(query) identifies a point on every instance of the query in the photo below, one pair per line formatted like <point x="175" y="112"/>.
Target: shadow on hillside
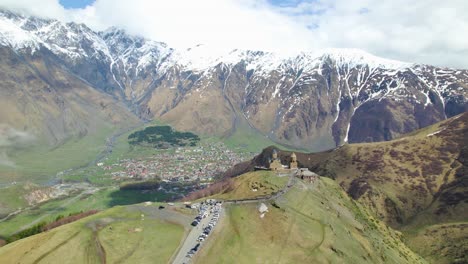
<point x="126" y="197"/>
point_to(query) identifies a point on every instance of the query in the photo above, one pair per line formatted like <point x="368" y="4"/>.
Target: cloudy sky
<point x="423" y="31"/>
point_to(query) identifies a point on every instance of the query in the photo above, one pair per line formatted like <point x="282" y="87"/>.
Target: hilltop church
<point x="276" y="165"/>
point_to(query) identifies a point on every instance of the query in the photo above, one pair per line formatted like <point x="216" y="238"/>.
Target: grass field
<point x="264" y="182"/>
<point x="103" y="199"/>
<point x="40" y="162"/>
<point x="247" y="139"/>
<point x="12" y="198"/>
<point x="318" y="224"/>
<point x="117" y="235"/>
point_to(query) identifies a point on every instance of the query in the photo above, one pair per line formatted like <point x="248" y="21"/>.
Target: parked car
<point x="194" y="223"/>
<point x="196" y="247"/>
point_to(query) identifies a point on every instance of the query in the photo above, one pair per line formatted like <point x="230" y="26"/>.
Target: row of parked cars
<point x="205" y="210"/>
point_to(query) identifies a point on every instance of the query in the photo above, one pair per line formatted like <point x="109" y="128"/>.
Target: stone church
<point x="276" y="165"/>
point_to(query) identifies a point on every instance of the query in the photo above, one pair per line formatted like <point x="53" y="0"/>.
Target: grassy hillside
<point x="311" y="223"/>
<point x="315" y="223"/>
<point x="419" y="174"/>
<point x="253" y="184"/>
<point x="12" y="198"/>
<point x="102" y="199"/>
<point x="440" y="243"/>
<point x="41" y="162"/>
<point x="132" y="234"/>
<point x="417" y="183"/>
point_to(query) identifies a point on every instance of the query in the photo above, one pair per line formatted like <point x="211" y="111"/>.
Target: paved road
<point x="192" y="237"/>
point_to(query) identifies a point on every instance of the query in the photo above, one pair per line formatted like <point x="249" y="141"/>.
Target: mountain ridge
<point x="318" y="100"/>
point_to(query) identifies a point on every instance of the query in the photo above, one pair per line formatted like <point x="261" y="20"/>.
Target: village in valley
<point x="202" y="163"/>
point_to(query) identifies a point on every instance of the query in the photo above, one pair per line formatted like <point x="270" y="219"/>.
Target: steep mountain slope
<point x="422" y="173"/>
<point x="316" y="100"/>
<point x="39" y="95"/>
<point x="416" y="183"/>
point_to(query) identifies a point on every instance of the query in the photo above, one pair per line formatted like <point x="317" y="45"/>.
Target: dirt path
<point x="101" y="252"/>
<point x="56" y="247"/>
<point x="130" y="253"/>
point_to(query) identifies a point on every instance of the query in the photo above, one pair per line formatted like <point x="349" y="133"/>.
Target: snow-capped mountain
<point x="316" y="99"/>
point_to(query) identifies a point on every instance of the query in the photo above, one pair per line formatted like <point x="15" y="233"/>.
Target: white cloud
<point x="424" y="31"/>
<point x="43" y="8"/>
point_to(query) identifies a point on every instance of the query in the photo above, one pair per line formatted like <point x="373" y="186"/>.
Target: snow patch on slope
<point x="14" y="36"/>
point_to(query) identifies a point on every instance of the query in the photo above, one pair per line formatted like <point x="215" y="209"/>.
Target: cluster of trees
<point x="62" y="220"/>
<point x="43" y="226"/>
<point x="223" y="186"/>
<point x="36" y="229"/>
<point x="162" y="137"/>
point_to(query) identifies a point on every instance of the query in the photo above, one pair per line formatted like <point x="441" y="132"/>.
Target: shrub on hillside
<point x="43" y="226"/>
<point x="36" y="229"/>
<point x="433" y="167"/>
<point x="66" y="220"/>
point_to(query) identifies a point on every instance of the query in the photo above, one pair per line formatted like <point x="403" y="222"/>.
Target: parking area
<point x="203" y="224"/>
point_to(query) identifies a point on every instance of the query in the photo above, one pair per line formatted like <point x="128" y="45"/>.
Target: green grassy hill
<point x="131" y="234"/>
<point x="312" y="223"/>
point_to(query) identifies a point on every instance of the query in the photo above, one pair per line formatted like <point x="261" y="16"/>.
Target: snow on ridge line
<point x="356" y="57"/>
<point x="203" y="57"/>
<point x="12" y="35"/>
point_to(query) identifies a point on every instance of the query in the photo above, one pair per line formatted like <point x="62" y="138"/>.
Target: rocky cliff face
<point x="314" y="100"/>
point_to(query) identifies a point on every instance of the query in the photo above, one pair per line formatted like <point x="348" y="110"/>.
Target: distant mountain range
<point x="314" y="100"/>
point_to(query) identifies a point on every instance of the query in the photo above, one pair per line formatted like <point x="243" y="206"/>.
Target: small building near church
<point x="306" y="174"/>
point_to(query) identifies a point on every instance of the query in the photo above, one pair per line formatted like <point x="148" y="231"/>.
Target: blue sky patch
<point x="76" y="3"/>
<point x="285" y="3"/>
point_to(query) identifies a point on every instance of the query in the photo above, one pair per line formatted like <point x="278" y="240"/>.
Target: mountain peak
<point x="11" y="33"/>
<point x="355" y="57"/>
